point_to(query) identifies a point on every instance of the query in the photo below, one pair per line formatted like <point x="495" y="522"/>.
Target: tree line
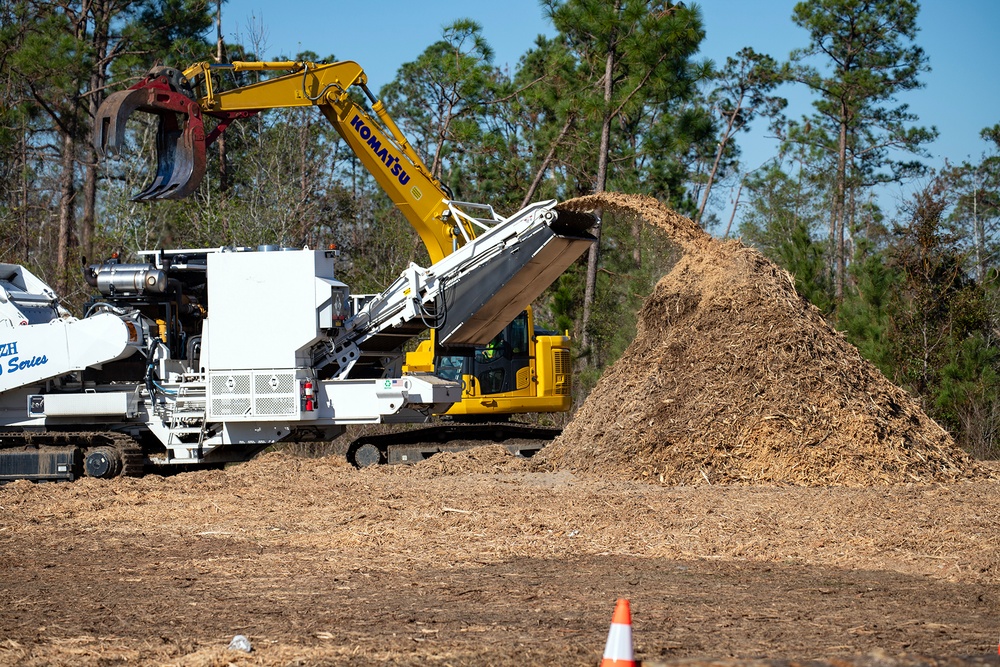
<point x="618" y="99"/>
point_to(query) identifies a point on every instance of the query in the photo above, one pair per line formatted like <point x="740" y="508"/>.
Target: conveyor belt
<point x="472" y="294"/>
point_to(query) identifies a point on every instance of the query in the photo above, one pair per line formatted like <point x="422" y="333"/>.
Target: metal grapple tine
<point x="114" y="112"/>
<point x="180" y="146"/>
<point x="180" y="165"/>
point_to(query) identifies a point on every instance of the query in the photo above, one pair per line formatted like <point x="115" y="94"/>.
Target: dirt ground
<point x="475" y="559"/>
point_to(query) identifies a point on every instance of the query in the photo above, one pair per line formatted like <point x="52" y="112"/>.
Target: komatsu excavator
<point x="193" y="358"/>
<point x="523" y="370"/>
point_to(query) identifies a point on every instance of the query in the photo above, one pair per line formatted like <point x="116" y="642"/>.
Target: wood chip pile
<point x="735" y="378"/>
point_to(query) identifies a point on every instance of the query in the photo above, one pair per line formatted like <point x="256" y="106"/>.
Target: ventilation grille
<point x="563" y="372"/>
<point x="523" y="377"/>
<point x="253" y="394"/>
<point x="275" y="405"/>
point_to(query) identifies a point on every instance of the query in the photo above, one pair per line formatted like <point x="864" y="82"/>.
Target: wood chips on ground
<point x="321" y="564"/>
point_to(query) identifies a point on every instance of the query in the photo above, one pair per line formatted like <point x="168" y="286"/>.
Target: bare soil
<point x="473" y="559"/>
<point x="760" y="493"/>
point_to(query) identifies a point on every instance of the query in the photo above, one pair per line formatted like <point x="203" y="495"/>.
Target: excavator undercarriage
<point x="413" y="446"/>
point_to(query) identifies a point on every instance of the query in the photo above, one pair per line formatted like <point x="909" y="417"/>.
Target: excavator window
<point x="512" y="342"/>
<point x="491" y="381"/>
<point x="519" y="336"/>
<point x="493" y="350"/>
<point x="450" y="368"/>
<point x="496" y="365"/>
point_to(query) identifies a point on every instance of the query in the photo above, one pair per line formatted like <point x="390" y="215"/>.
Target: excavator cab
<point x="522" y="369"/>
<point x="181" y="142"/>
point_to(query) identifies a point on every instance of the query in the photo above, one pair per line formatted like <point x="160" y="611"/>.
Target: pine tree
<point x="631" y="54"/>
<point x="868" y="52"/>
<point x="743" y="91"/>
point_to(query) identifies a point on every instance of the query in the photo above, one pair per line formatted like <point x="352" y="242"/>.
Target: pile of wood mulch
<point x="735" y="378"/>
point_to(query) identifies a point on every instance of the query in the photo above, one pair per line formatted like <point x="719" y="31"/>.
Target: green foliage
<point x="673" y="146"/>
<point x="868" y="313"/>
<point x="623" y="285"/>
<point x="52" y="62"/>
<point x="869" y="57"/>
<point x="546" y="119"/>
<point x="437" y="98"/>
<point x="802" y="256"/>
<point x="634" y="65"/>
<point x="969" y="397"/>
<point x="943" y="323"/>
<point x="567" y="297"/>
<point x="976" y="215"/>
<point x="743" y="90"/>
<point x="781" y="221"/>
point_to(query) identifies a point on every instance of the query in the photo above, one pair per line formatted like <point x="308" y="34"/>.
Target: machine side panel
<point x="117" y="403"/>
<point x="382" y="400"/>
<point x="33" y="353"/>
<point x="263" y="308"/>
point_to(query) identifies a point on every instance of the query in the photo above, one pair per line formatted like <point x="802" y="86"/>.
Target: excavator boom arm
<point x="376" y="140"/>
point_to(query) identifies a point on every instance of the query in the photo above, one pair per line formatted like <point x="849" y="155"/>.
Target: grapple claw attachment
<point x="180" y="132"/>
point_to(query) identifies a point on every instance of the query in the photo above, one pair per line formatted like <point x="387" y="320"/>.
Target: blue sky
<point x="961" y="97"/>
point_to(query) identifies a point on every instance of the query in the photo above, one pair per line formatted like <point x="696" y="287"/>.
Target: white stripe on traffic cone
<point x="618" y="650"/>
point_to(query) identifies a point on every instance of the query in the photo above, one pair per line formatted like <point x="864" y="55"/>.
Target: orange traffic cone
<point x="618" y="650"/>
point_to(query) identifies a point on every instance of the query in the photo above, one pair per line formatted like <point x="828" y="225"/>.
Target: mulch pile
<point x="735" y="378"/>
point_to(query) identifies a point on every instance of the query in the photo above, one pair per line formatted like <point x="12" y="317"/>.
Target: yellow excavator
<point x="522" y="370"/>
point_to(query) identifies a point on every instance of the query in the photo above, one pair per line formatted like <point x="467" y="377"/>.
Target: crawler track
<point x="418" y="444"/>
<point x="60" y="456"/>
